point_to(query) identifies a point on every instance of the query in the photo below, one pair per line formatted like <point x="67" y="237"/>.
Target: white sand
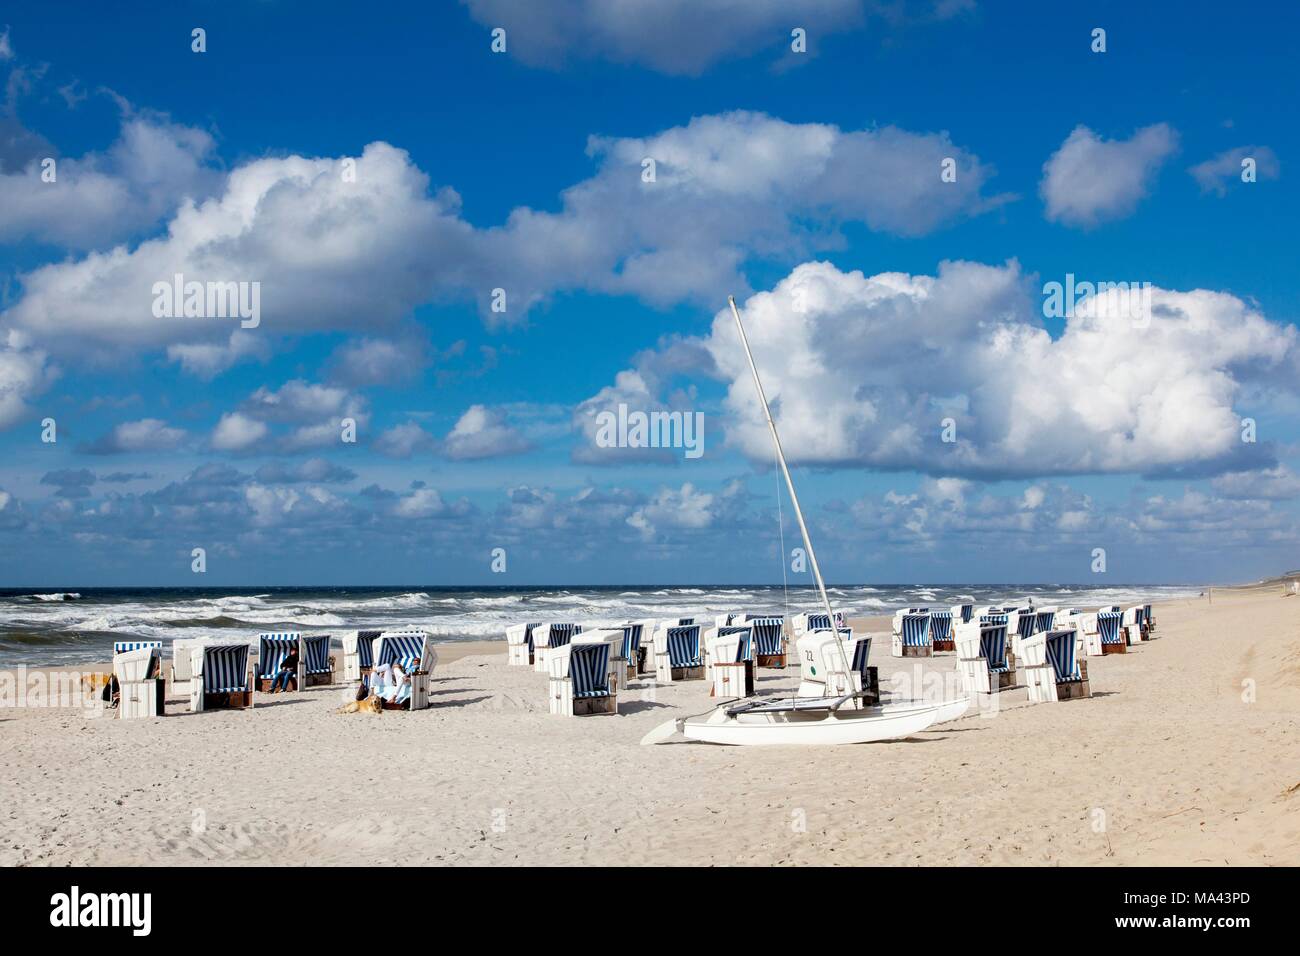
<point x="1164" y="765"/>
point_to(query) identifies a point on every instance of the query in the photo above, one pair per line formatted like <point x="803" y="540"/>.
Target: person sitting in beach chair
<point x="392" y="682"/>
<point x="288" y="672"/>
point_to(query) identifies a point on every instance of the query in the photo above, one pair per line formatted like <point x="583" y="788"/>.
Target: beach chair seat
<point x="414" y="651"/>
<point x="272" y="649"/>
<point x="982" y="659"/>
<point x="912" y="634"/>
<point x="549" y="636"/>
<point x="770" y="646"/>
<point x="1052" y="667"/>
<point x="316" y="663"/>
<point x="140" y="686"/>
<point x="222" y="677"/>
<point x="1103" y="634"/>
<point x="679" y="653"/>
<point x="583" y="678"/>
<point x="519" y="644"/>
<point x="941" y="637"/>
<point x="359" y="654"/>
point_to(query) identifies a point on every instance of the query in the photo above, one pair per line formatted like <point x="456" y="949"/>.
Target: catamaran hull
<point x="819" y="728"/>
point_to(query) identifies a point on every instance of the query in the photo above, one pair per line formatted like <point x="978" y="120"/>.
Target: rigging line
<point x="780" y="524"/>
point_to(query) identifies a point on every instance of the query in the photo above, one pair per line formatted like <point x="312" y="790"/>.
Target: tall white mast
<point x="789" y="483"/>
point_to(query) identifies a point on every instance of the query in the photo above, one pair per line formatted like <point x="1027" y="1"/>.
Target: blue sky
<point x="882" y="299"/>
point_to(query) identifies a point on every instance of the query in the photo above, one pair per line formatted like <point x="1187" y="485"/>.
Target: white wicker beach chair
<point x="221" y="677"/>
<point x="1052" y="667"/>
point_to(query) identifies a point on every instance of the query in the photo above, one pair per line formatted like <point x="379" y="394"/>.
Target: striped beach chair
<point x="912" y="635"/>
<point x="359" y="654"/>
<point x="1052" y="669"/>
<point x="1149" y="618"/>
<point x="222" y="677"/>
<point x="631" y="648"/>
<point x="961" y="613"/>
<point x="823" y="656"/>
<point x="859" y="653"/>
<point x="679" y="656"/>
<point x="317" y="665"/>
<point x="1131" y="625"/>
<point x="583" y="677"/>
<point x="182" y="674"/>
<point x="272" y="649"/>
<point x="768" y="634"/>
<point x="519" y="644"/>
<point x="982" y="658"/>
<point x="941" y="638"/>
<point x="549" y="636"/>
<point x="138" y="671"/>
<point x="414" y="652"/>
<point x="729" y="660"/>
<point x="1109" y="629"/>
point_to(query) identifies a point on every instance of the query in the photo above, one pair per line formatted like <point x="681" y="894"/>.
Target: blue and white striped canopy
<point x="745" y="646"/>
<point x="861" y="651"/>
<point x="1045" y="621"/>
<point x="556" y="635"/>
<point x="684" y="646"/>
<point x="366" y="648"/>
<point x="316" y="653"/>
<point x="993" y="646"/>
<point x="589" y="669"/>
<point x="820" y="622"/>
<point x="272" y="649"/>
<point x="631" y="641"/>
<point x="940" y="625"/>
<point x="1108" y="626"/>
<point x="121" y="647"/>
<point x="916" y="630"/>
<point x="766" y="632"/>
<point x="966" y="611"/>
<point x="528" y="635"/>
<point x="225" y="668"/>
<point x="1060" y="654"/>
<point x="404" y="649"/>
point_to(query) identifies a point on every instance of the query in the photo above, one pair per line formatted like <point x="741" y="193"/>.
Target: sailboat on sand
<point x="836" y="715"/>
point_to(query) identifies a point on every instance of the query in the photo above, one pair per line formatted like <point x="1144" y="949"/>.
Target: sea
<point x="48" y="626"/>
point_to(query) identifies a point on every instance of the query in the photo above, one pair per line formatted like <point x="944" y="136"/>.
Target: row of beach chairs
<point x="214" y="674"/>
<point x="587" y="664"/>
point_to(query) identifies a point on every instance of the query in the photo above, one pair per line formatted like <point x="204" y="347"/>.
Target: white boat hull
<point x="820" y="728"/>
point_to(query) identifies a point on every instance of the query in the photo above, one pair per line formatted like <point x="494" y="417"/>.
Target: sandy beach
<point x="1188" y="753"/>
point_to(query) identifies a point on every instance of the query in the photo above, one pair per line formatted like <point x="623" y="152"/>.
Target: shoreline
<point x="457" y="646"/>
